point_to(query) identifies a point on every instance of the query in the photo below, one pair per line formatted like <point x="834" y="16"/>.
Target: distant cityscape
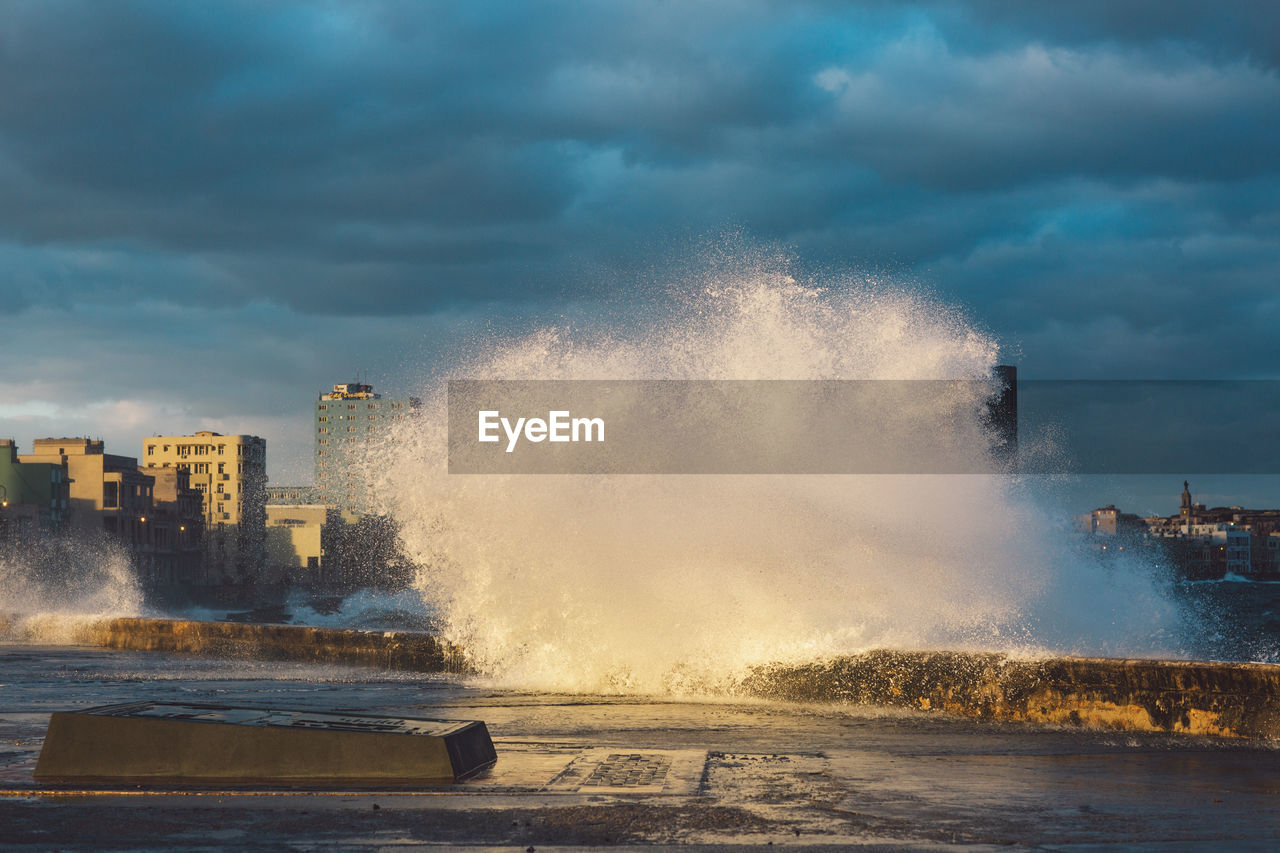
<point x="200" y="523"/>
<point x="197" y="517"/>
<point x="1198" y="542"/>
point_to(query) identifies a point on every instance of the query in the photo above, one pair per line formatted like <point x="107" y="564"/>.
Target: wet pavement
<point x="591" y="771"/>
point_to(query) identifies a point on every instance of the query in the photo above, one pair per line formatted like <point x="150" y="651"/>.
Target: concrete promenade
<point x="598" y="771"/>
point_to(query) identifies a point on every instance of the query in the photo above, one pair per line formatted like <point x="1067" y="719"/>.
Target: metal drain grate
<point x="629" y="770"/>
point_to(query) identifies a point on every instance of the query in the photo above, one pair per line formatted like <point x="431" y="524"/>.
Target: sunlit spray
<point x="680" y="584"/>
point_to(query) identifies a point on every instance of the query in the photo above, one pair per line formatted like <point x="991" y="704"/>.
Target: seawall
<point x="1191" y="697"/>
<point x="404" y="650"/>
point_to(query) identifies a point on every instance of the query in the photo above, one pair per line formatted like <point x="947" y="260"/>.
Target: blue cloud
<point x="1096" y="181"/>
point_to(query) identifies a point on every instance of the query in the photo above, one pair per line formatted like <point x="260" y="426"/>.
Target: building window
<point x="351" y="406"/>
<point x="373" y="417"/>
<point x="324" y="429"/>
<point x="373" y="405"/>
<point x="151" y="450"/>
<point x="111" y="495"/>
<point x="322" y="407"/>
<point x="323" y="419"/>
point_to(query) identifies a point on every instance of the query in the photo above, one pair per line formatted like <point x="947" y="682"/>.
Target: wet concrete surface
<point x="600" y="771"/>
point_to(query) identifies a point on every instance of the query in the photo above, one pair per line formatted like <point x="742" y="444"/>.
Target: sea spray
<point x="680" y="584"/>
<point x="51" y="585"/>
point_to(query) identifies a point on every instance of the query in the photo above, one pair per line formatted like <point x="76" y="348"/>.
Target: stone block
<point x="152" y="743"/>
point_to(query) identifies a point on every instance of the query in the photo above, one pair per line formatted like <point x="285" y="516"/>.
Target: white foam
<point x="52" y="586"/>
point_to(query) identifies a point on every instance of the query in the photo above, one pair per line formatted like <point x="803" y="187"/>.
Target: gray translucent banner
<point x="722" y="427"/>
<point x="1177" y="427"/>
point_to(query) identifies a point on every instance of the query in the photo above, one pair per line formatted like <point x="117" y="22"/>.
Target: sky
<point x="211" y="211"/>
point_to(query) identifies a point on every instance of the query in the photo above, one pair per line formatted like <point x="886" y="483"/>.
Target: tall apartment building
<point x="230" y="472"/>
<point x="349" y="420"/>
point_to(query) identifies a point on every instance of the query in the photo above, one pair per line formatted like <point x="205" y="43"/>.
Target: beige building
<point x="156" y="518"/>
<point x="34" y="496"/>
<point x="230" y="471"/>
<point x="303" y="543"/>
<point x="106" y="492"/>
<point x="177" y="528"/>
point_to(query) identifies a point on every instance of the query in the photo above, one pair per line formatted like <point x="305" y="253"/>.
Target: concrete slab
<point x="157" y="743"/>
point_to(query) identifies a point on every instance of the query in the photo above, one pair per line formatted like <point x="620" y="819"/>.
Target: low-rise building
<point x="109" y="495"/>
<point x="106" y="492"/>
<point x="33" y="495"/>
<point x="1109" y="521"/>
<point x="1203" y="543"/>
<point x="177" y="531"/>
<point x="1210" y="551"/>
<point x="303" y="545"/>
<point x="1266" y="555"/>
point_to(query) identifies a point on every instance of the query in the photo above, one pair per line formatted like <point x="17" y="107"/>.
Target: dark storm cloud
<point x="414" y="138"/>
<point x="1094" y="181"/>
<point x="1225" y="30"/>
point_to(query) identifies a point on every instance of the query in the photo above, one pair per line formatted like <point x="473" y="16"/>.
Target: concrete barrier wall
<point x="1193" y="697"/>
<point x="416" y="652"/>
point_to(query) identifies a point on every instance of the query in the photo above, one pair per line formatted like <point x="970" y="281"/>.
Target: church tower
<point x="1187" y="507"/>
